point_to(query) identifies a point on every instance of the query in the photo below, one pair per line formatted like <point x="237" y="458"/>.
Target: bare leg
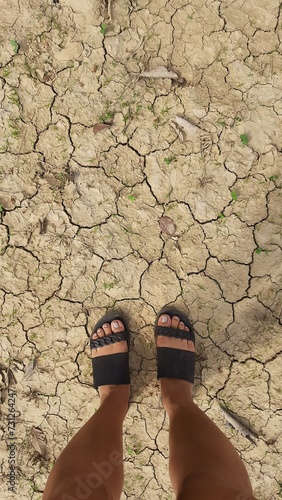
<point x="203" y="463"/>
<point x="91" y="465"/>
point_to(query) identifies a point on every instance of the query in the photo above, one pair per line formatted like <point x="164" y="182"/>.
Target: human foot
<point x="175" y="390"/>
<point x="174" y="322"/>
<point x="109" y="338"/>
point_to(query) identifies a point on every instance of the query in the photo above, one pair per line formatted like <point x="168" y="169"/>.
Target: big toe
<point x="117" y="326"/>
<point x="164" y="320"/>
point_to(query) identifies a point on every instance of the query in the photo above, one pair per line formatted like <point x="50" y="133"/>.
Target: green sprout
<point x="14" y="129"/>
<point x="103" y="29"/>
<point x="244" y="139"/>
<point x="105" y="117"/>
<point x="13" y="98"/>
<point x="169" y="160"/>
<point x="222" y="123"/>
<point x="109" y="286"/>
<point x="234" y="195"/>
<point x="15" y="46"/>
<point x="131" y="197"/>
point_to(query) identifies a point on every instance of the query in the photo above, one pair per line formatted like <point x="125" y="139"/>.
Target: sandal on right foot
<point x="175" y="363"/>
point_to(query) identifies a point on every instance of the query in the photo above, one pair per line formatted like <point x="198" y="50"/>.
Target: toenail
<point x="105" y="325"/>
<point x="115" y="324"/>
<point x="164" y="319"/>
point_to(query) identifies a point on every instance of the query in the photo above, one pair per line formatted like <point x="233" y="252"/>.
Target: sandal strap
<point x="176" y="333"/>
<point x="111" y="369"/>
<point x="176" y="363"/>
<point x="109" y="339"/>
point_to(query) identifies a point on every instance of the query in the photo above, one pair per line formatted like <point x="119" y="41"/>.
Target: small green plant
<point x="169" y="160"/>
<point x="139" y="477"/>
<point x="237" y="119"/>
<point x="109" y="286"/>
<point x="258" y="250"/>
<point x="131" y="112"/>
<point x="234" y="195"/>
<point x="103" y="29"/>
<point x="15" y="46"/>
<point x="244" y="139"/>
<point x="273" y="177"/>
<point x="170" y="207"/>
<point x="221" y="216"/>
<point x="129" y="450"/>
<point x="135" y="446"/>
<point x="131" y="197"/>
<point x="27" y="68"/>
<point x="105" y="117"/>
<point x="1" y="209"/>
<point x="222" y="123"/>
<point x="61" y="176"/>
<point x="138" y="109"/>
<point x="124" y="104"/>
<point x="13" y="98"/>
<point x="14" y="129"/>
<point x="57" y="26"/>
<point x="165" y="110"/>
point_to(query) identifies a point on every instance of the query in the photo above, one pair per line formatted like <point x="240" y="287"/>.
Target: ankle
<point x="115" y="393"/>
<point x="176" y="393"/>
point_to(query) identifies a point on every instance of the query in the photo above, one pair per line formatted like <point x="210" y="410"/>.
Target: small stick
<point x="110" y="10"/>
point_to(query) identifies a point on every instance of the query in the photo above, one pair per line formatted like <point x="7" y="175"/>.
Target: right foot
<point x="174" y="391"/>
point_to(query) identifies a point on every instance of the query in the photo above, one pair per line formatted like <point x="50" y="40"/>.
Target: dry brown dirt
<point x="80" y="210"/>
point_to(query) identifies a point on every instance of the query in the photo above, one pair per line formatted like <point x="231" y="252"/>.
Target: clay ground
<point x="81" y="210"/>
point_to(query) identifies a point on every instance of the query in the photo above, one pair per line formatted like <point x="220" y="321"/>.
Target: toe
<point x="164" y="320"/>
<point x="175" y="321"/>
<point x="107" y="328"/>
<point x="117" y="326"/>
<point x="186" y="329"/>
<point x="100" y="332"/>
<point x="181" y="325"/>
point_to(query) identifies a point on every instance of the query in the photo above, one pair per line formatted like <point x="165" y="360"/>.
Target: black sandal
<point x="113" y="368"/>
<point x="175" y="363"/>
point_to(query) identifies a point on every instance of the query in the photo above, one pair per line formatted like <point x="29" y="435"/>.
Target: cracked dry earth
<point x="81" y="207"/>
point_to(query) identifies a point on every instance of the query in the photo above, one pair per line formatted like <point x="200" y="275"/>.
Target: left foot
<point x="115" y="326"/>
